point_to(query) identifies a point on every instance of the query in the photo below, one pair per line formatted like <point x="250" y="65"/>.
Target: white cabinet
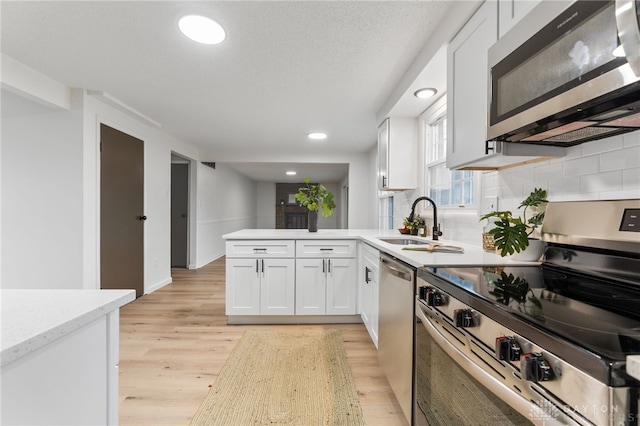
<point x="467" y="97"/>
<point x="260" y="277"/>
<point x="467" y="82"/>
<point x="326" y="277"/>
<point x="511" y="11"/>
<point x="368" y="278"/>
<point x="397" y="154"/>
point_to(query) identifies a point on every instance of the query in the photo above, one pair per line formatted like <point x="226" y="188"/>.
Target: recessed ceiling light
<point x="291" y="173"/>
<point x="425" y="93"/>
<point x="201" y="29"/>
<point x="317" y="136"/>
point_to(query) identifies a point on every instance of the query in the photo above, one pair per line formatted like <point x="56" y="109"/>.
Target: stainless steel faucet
<point x="436" y="226"/>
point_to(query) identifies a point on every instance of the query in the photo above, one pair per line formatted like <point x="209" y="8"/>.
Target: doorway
<point x="121" y="211"/>
<point x="179" y="214"/>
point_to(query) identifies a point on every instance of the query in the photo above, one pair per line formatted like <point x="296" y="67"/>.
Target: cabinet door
<point x="383" y="155"/>
<point x="370" y="298"/>
<point x="277" y="287"/>
<point x="511" y="11"/>
<point x="310" y="286"/>
<point x="341" y="286"/>
<point x="467" y="87"/>
<point x="375" y="301"/>
<point x="243" y="287"/>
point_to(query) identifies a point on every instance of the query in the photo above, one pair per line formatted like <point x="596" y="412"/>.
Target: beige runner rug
<point x="284" y="377"/>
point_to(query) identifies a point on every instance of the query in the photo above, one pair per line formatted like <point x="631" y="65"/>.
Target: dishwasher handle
<point x="398" y="271"/>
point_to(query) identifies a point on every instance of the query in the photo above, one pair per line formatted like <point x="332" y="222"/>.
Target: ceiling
<point x="287" y="68"/>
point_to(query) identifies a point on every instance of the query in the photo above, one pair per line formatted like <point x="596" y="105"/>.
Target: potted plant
<point x="315" y="197"/>
<point x="413" y="226"/>
<point x="513" y="234"/>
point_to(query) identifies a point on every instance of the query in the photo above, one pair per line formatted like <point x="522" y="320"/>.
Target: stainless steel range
<point x="541" y="344"/>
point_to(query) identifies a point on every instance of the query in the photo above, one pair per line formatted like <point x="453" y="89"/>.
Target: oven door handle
<point x="518" y="403"/>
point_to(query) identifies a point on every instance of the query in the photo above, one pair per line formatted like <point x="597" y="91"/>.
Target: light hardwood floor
<point x="174" y="342"/>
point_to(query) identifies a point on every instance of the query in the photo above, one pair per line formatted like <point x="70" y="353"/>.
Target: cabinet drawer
<point x="260" y="248"/>
<point x="370" y="254"/>
<point x="326" y="248"/>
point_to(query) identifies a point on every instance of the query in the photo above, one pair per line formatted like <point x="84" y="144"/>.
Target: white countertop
<point x="31" y="319"/>
<point x="472" y="256"/>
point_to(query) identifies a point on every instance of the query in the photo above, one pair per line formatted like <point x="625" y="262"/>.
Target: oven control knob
<point x="507" y="349"/>
<point x="464" y="318"/>
<point x="434" y="298"/>
<point x="536" y="368"/>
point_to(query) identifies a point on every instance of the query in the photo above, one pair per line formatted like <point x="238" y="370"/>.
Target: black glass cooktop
<point x="600" y="316"/>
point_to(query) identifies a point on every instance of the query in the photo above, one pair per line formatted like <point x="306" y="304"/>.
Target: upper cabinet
<point x="467" y="77"/>
<point x="511" y="11"/>
<point x="397" y="154"/>
<point x="467" y="94"/>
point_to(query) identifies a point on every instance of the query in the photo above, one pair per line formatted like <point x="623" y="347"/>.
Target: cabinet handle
<point x="257" y="267"/>
<point x="366" y="275"/>
<point x="326" y="249"/>
<point x="262" y="260"/>
<point x="324" y="267"/>
<point x="259" y="250"/>
<point x="329" y="263"/>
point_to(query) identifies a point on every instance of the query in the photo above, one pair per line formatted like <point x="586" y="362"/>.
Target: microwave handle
<point x="629" y="32"/>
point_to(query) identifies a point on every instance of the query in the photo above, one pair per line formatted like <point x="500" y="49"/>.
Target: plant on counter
<point x="512" y="234"/>
<point x="315" y="198"/>
<point x="417" y="223"/>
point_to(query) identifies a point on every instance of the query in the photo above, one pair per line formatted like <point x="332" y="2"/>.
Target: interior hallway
<point x="174" y="342"/>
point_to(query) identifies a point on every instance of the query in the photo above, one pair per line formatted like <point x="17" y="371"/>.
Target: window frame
<point x="438" y="111"/>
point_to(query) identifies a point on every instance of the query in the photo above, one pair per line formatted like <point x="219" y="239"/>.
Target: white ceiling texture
<point x="287" y="68"/>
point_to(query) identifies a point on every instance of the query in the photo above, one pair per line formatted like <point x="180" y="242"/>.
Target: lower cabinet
<point x="368" y="280"/>
<point x="326" y="286"/>
<point x="260" y="286"/>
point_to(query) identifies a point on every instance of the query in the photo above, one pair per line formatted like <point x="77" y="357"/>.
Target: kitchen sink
<point x="404" y="241"/>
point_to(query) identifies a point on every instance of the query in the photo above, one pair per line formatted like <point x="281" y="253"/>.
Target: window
<point x="447" y="188"/>
<point x="385" y="215"/>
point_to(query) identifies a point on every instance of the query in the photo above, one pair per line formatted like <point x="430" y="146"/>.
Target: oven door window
<point x="447" y="395"/>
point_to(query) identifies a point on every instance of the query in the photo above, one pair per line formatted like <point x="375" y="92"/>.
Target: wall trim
<point x="158" y="285"/>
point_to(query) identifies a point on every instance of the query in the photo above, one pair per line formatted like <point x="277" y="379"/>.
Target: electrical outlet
<point x="490" y="204"/>
<point x="633" y="366"/>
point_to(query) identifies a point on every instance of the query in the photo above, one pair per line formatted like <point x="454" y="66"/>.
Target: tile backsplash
<point x="606" y="169"/>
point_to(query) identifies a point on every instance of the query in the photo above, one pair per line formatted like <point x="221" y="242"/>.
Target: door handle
<point x="143" y="217"/>
<point x="366" y="274"/>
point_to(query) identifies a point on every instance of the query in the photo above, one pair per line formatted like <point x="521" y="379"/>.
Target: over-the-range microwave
<point x="561" y="83"/>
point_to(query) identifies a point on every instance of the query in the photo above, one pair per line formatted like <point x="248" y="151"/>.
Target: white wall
<point x="50" y="195"/>
<point x="42" y="241"/>
<point x="266" y="205"/>
<point x="227" y="202"/>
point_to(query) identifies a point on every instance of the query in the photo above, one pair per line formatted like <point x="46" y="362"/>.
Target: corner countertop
<point x="472" y="256"/>
<point x="31" y="319"/>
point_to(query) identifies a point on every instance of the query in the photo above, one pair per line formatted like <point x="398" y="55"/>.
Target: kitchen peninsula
<point x="60" y="353"/>
<point x="296" y="276"/>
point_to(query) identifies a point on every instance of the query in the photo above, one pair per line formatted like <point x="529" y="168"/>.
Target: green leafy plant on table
<point x="316" y="198"/>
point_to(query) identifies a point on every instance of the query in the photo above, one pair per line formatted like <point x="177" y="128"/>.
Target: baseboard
<point x="206" y="262"/>
<point x="158" y="286"/>
<point x="293" y="319"/>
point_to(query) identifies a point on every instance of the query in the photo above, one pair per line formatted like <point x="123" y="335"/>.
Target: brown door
<point x="121" y="211"/>
<point x="179" y="214"/>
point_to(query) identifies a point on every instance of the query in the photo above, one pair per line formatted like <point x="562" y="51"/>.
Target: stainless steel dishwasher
<point x="396" y="328"/>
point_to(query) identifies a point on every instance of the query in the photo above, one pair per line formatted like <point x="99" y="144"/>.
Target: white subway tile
<point x="631" y="179"/>
<point x="621" y="159"/>
<point x="581" y="166"/>
<point x="602" y="145"/>
<point x="600" y="182"/>
<point x="631" y="139"/>
<point x="620" y="195"/>
<point x="564" y="185"/>
<point x="544" y="174"/>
